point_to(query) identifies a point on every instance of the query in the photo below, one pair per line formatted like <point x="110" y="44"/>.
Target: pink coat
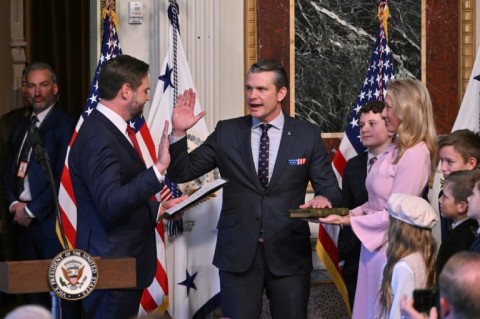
<point x="370" y="221"/>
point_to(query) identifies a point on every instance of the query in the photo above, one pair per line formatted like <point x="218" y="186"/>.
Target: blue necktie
<point x="263" y="155"/>
<point x="24" y="156"/>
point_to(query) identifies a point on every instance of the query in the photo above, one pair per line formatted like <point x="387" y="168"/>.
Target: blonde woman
<point x="404" y="167"/>
<point x="411" y="252"/>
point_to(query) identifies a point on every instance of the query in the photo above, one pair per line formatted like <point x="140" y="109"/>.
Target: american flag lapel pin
<point x="297" y="161"/>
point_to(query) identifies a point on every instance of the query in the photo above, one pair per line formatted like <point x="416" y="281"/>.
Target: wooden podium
<point x="18" y="277"/>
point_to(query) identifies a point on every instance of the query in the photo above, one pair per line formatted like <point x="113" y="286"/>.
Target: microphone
<point x="41" y="156"/>
<point x="37" y="145"/>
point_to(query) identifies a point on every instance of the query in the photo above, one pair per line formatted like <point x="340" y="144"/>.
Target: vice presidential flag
<point x="193" y="281"/>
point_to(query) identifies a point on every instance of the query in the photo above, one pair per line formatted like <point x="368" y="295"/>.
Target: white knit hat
<point x="412" y="210"/>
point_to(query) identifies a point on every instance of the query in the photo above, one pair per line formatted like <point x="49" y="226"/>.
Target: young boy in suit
<point x="453" y="205"/>
<point x="375" y="138"/>
<point x="459" y="150"/>
<point x="474" y="213"/>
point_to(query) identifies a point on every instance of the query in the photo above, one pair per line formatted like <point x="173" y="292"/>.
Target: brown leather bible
<point x="317" y="212"/>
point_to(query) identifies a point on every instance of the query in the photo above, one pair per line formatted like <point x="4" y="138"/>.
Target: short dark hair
<point x="40" y="66"/>
<point x="462" y="183"/>
<point x="374" y="106"/>
<point x="280" y="80"/>
<point x="118" y="71"/>
<point x="465" y="142"/>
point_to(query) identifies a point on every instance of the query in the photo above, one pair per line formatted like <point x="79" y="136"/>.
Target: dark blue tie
<point x="263" y="155"/>
<point x="24" y="156"/>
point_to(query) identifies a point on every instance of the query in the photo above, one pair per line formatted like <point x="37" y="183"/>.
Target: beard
<point x="135" y="108"/>
<point x="39" y="107"/>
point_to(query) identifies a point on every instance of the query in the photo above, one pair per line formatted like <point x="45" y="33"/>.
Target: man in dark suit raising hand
<point x="268" y="158"/>
<point x="113" y="186"/>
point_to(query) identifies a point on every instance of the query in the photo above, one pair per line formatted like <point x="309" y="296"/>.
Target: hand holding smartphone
<point x="425" y="299"/>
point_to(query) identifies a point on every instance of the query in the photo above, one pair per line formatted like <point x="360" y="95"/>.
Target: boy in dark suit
<point x="474" y="213"/>
<point x="453" y="204"/>
<point x="459" y="150"/>
<point x="375" y="138"/>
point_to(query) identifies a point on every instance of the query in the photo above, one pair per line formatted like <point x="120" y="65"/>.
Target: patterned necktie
<point x="23" y="158"/>
<point x="133" y="138"/>
<point x="371" y="162"/>
<point x="263" y="155"/>
<point x="33" y="125"/>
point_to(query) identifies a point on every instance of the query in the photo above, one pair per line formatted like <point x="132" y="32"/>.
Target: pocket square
<point x="297" y="161"/>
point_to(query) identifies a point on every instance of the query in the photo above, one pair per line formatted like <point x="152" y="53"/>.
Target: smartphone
<point x="425" y="299"/>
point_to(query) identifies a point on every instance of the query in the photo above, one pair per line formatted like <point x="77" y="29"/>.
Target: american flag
<point x="156" y="293"/>
<point x="374" y="88"/>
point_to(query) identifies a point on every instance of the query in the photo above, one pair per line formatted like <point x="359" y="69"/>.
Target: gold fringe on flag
<point x="112" y="14"/>
<point x="383" y="15"/>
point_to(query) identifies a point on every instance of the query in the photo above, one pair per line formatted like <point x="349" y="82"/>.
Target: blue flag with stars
<point x="194" y="287"/>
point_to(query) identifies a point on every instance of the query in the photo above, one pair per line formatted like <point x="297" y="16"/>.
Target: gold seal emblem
<point x="73" y="274"/>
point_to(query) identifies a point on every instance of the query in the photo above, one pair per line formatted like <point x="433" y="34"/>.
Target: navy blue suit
<point x="55" y="132"/>
<point x="286" y="250"/>
<point x="39" y="240"/>
<point x="476" y="245"/>
<point x="116" y="217"/>
<point x="458" y="239"/>
<point x="354" y="194"/>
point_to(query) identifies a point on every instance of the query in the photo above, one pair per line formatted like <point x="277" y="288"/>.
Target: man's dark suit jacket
<point x="55" y="131"/>
<point x="354" y="194"/>
<point x="112" y="186"/>
<point x="458" y="239"/>
<point x="476" y="245"/>
<point x="245" y="204"/>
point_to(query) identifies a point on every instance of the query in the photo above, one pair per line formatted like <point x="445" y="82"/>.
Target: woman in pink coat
<point x="404" y="167"/>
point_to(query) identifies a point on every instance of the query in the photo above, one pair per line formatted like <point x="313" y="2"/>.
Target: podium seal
<point x="72" y="275"/>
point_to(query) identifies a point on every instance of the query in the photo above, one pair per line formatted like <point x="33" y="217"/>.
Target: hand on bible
<point x="318" y="202"/>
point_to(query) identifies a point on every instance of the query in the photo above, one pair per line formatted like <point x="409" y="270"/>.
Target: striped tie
<point x="371" y="162"/>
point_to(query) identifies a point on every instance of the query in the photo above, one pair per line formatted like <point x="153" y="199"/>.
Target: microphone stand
<point x="41" y="156"/>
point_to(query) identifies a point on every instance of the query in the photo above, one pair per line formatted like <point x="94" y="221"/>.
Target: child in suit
<point x="376" y="139"/>
<point x="474" y="213"/>
<point x="457" y="151"/>
<point x="453" y="204"/>
<point x="411" y="251"/>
